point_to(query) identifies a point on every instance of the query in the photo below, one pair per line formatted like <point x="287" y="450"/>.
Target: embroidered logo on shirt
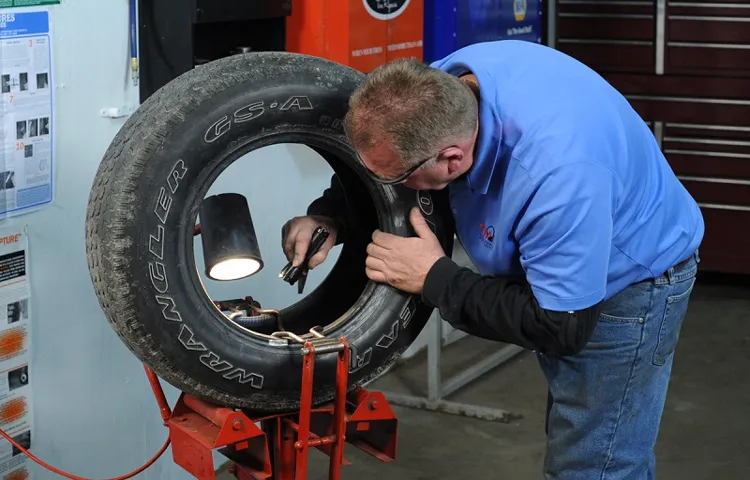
<point x="487" y="234"/>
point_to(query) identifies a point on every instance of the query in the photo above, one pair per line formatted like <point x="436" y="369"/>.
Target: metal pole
<point x="434" y="348"/>
<point x="552" y="23"/>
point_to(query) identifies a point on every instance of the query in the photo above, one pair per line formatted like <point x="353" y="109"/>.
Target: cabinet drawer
<point x="688" y="57"/>
<point x="709" y="164"/>
<point x="606" y="7"/>
<point x="709" y="38"/>
<point x="709" y="29"/>
<point x="608" y="35"/>
<point x="687" y="110"/>
<point x="725" y="243"/>
<point x="715" y="151"/>
<point x="606" y="26"/>
<point x="718" y="191"/>
<point x="680" y="86"/>
<point x="612" y="56"/>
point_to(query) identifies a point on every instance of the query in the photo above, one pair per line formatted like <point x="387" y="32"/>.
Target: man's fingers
<point x="383" y="239"/>
<point x="289" y="249"/>
<point x="318" y="258"/>
<point x="322" y="254"/>
<point x="420" y="224"/>
<point x="377" y="251"/>
<point x="287" y="241"/>
<point x="375" y="275"/>
<point x="375" y="263"/>
<point x="301" y="243"/>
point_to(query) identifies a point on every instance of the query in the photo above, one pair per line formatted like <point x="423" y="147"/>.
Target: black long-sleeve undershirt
<point x="500" y="308"/>
<point x="332" y="205"/>
<point x="504" y="308"/>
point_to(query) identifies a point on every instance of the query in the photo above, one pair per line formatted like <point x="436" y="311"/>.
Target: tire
<point x="143" y="207"/>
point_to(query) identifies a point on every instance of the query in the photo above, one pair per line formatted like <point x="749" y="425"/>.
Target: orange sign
<point x="21" y="474"/>
<point x="12" y="342"/>
<point x="359" y="33"/>
<point x="12" y="410"/>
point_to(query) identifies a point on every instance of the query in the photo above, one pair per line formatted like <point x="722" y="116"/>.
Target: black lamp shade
<point x="230" y="247"/>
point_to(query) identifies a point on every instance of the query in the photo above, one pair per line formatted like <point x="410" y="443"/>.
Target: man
<point x="585" y="241"/>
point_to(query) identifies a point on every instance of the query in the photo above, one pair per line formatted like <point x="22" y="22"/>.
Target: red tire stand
<point x="279" y="448"/>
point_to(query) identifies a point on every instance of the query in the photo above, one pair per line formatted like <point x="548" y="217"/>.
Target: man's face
<point x="381" y="160"/>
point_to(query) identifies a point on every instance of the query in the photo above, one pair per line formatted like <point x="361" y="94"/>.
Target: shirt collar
<point x="489" y="141"/>
<point x="489" y="138"/>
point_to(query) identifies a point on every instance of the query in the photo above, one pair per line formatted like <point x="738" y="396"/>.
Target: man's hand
<point x="297" y="233"/>
<point x="404" y="262"/>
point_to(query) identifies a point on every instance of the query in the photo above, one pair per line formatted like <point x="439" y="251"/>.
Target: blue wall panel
<point x="439" y="28"/>
<point x="452" y="24"/>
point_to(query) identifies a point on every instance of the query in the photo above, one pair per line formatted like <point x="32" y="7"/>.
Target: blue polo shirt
<point x="568" y="183"/>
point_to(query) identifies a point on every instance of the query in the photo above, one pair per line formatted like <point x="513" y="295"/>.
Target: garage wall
<point x="94" y="414"/>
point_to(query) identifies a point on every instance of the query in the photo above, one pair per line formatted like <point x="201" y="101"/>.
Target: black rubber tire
<point x="143" y="207"/>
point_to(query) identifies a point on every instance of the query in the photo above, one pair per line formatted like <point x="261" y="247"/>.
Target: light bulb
<point x="234" y="269"/>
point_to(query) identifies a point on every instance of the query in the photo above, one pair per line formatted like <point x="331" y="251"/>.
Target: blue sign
<point x="524" y="21"/>
<point x="452" y="24"/>
<point x="22" y="24"/>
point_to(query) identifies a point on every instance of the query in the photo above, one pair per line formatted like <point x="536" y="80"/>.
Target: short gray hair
<point x="413" y="107"/>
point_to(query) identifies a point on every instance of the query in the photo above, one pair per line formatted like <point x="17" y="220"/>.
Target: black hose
<point x="258" y="321"/>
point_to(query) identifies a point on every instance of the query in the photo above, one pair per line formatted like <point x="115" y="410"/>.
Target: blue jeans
<point x="605" y="403"/>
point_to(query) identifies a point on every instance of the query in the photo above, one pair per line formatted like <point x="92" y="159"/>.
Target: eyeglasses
<point x="400" y="178"/>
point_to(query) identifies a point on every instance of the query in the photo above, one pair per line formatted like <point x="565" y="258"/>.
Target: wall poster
<point x="16" y="408"/>
<point x="26" y="106"/>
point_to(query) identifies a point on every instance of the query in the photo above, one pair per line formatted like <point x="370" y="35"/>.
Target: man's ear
<point x="454" y="156"/>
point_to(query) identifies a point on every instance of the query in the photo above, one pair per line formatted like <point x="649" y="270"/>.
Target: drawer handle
<point x="721" y="206"/>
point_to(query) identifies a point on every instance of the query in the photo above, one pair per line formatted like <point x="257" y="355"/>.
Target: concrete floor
<point x="704" y="428"/>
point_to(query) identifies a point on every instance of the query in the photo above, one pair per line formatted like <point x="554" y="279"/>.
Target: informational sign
<point x="524" y="21"/>
<point x="26" y="102"/>
<point x="385" y="9"/>
<point x="16" y="406"/>
<point x="491" y="20"/>
<point x="26" y="3"/>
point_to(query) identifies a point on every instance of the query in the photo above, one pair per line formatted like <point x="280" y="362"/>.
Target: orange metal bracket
<point x="279" y="449"/>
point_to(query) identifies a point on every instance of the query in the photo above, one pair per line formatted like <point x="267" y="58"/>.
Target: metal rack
<point x="437" y="389"/>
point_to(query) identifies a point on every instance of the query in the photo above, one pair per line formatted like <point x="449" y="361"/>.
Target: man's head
<point x="408" y="115"/>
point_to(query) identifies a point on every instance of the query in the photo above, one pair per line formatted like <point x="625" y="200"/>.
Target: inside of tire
<point x="347" y="280"/>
